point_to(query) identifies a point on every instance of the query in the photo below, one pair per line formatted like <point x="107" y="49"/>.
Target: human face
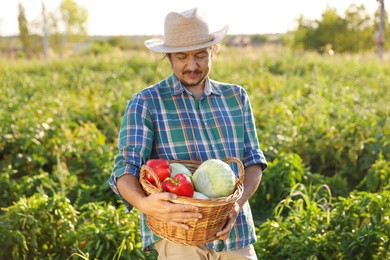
<point x="191" y="67"/>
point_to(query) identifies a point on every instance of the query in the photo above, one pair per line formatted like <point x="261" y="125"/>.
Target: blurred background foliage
<point x="65" y="34"/>
<point x="323" y="123"/>
<point x="322" y="115"/>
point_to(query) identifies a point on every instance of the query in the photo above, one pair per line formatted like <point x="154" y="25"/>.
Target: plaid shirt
<point x="166" y="121"/>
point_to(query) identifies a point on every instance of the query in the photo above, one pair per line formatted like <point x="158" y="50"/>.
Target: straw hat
<point x="185" y="31"/>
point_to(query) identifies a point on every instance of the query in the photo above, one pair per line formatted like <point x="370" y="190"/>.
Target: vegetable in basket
<point x="180" y="185"/>
<point x="179" y="168"/>
<point x="198" y="195"/>
<point x="160" y="167"/>
<point x="214" y="178"/>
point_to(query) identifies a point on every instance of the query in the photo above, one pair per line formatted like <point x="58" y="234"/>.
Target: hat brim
<point x="158" y="44"/>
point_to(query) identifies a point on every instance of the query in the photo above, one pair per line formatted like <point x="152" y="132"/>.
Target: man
<point x="188" y="116"/>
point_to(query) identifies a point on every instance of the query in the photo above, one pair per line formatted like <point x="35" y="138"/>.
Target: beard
<point x="192" y="84"/>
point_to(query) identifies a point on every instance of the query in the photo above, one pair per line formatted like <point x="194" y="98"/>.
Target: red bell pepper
<point x="160" y="167"/>
<point x="180" y="185"/>
<point x="164" y="185"/>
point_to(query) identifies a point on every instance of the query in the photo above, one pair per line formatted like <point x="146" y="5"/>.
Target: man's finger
<point x="166" y="196"/>
<point x="179" y="225"/>
<point x="184" y="208"/>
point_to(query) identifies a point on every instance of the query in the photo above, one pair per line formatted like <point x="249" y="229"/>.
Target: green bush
<point x="378" y="177"/>
<point x="99" y="47"/>
<point x="361" y="226"/>
<point x="322" y="122"/>
<point x="106" y="232"/>
<point x="298" y="227"/>
<point x="27" y="185"/>
<point x="38" y="227"/>
<point x="309" y="225"/>
<point x="325" y="110"/>
<point x="283" y="173"/>
<point x="43" y="227"/>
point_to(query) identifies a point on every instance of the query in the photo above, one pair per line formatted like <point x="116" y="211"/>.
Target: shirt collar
<point x="178" y="88"/>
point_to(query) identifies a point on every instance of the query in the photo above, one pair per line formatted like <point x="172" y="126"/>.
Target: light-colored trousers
<point x="172" y="251"/>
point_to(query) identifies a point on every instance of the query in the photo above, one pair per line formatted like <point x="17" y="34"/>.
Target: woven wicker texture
<point x="215" y="211"/>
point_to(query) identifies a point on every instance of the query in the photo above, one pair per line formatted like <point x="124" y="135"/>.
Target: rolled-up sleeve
<point x="135" y="142"/>
<point x="252" y="152"/>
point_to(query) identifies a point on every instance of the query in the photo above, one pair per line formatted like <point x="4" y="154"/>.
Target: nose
<point x="192" y="63"/>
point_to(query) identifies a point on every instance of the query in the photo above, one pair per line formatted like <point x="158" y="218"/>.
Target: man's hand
<point x="160" y="207"/>
<point x="224" y="233"/>
<point x="157" y="205"/>
<point x="252" y="180"/>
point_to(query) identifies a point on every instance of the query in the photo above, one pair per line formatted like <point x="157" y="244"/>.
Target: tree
<point x="23" y="30"/>
<point x="359" y="30"/>
<point x="350" y="33"/>
<point x="319" y="35"/>
<point x="45" y="39"/>
<point x="53" y="29"/>
<point x="65" y="25"/>
<point x="301" y="36"/>
<point x="329" y="30"/>
<point x="74" y="19"/>
<point x="380" y="34"/>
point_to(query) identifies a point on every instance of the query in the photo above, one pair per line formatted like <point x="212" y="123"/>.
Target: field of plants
<point x="323" y="123"/>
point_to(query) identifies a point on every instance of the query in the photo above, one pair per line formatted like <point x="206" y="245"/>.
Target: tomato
<point x="160" y="167"/>
<point x="180" y="185"/>
<point x="83" y="243"/>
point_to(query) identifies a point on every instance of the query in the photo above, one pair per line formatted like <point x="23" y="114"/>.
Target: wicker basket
<point x="215" y="212"/>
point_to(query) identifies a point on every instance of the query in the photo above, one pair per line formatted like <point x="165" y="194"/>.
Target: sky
<point x="146" y="17"/>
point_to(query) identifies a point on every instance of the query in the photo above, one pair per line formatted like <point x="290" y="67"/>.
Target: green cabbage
<point x="214" y="178"/>
<point x="179" y="168"/>
<point x="198" y="195"/>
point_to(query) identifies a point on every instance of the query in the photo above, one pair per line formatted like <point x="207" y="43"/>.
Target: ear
<point x="215" y="49"/>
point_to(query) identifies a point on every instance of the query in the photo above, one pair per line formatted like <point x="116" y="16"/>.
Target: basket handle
<point x="239" y="163"/>
<point x="144" y="169"/>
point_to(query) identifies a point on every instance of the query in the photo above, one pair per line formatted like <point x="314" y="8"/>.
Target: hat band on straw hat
<point x="189" y="41"/>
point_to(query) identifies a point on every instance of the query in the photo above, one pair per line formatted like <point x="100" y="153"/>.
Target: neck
<point x="197" y="90"/>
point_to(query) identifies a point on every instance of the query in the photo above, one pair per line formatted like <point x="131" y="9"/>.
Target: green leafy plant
<point x="283" y="173"/>
<point x="38" y="227"/>
<point x="106" y="232"/>
<point x="310" y="224"/>
<point x="361" y="225"/>
<point x="322" y="122"/>
<point x="298" y="228"/>
<point x="378" y="176"/>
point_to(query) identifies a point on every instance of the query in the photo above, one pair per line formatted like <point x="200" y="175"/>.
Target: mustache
<point x="192" y="71"/>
